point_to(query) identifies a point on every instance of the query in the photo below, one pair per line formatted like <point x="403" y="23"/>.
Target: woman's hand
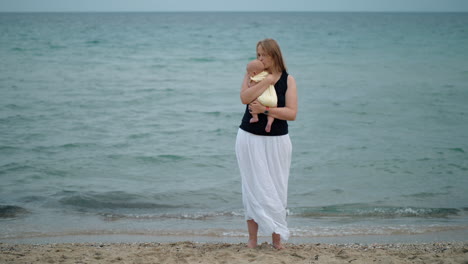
<point x="256" y="107"/>
<point x="270" y="79"/>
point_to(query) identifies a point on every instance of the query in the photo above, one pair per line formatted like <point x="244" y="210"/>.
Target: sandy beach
<point x="190" y="252"/>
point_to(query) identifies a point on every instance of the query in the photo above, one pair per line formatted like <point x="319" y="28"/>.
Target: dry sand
<point x="189" y="252"/>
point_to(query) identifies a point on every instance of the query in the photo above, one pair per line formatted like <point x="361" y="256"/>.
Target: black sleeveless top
<point x="279" y="127"/>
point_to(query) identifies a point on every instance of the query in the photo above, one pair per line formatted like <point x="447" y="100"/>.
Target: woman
<point x="264" y="158"/>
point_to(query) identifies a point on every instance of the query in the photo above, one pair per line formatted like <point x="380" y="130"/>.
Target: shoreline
<point x="210" y="253"/>
<point x="448" y="236"/>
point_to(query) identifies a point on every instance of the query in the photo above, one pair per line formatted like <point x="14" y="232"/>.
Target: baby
<point x="256" y="72"/>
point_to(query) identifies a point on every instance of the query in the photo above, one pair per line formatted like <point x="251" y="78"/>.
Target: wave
<point x="77" y="145"/>
<point x="460" y="150"/>
<point x="112" y="200"/>
<point x="54" y="46"/>
<point x="362" y="210"/>
<point x="12" y="167"/>
<point x="12" y="211"/>
<point x="5" y="149"/>
<point x="160" y="159"/>
<point x="140" y="136"/>
<point x="353" y="230"/>
<point x="15" y="119"/>
<point x="163" y="157"/>
<point x="66" y="147"/>
<point x="424" y="195"/>
<point x="141" y="203"/>
<point x="329" y="211"/>
<point x="93" y="42"/>
<point x="156" y="159"/>
<point x="213" y="113"/>
<point x="184" y="212"/>
<point x="16" y="107"/>
<point x="18" y="49"/>
<point x="203" y="59"/>
<point x="119" y="204"/>
<point x="176" y="216"/>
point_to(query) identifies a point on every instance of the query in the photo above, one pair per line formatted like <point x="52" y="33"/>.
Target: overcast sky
<point x="233" y="5"/>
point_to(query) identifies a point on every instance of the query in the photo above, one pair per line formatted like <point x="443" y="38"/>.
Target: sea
<point x="121" y="126"/>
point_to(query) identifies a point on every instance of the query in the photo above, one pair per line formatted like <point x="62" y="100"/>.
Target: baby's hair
<point x="256" y="66"/>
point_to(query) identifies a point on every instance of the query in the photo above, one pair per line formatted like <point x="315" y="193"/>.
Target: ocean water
<point x="121" y="124"/>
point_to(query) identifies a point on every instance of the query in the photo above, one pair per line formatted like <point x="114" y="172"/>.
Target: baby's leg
<point x="269" y="123"/>
<point x="254" y="118"/>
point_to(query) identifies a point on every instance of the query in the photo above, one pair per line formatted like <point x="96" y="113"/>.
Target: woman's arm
<point x="288" y="112"/>
<point x="249" y="94"/>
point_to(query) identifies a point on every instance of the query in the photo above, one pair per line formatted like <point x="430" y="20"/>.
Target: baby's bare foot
<point x="253" y="120"/>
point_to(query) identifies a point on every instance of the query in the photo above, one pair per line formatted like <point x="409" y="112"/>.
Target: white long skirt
<point x="264" y="163"/>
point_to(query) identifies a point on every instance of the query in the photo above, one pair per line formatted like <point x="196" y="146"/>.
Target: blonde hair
<point x="271" y="47"/>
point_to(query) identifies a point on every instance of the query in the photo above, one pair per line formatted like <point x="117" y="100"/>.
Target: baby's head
<point x="255" y="67"/>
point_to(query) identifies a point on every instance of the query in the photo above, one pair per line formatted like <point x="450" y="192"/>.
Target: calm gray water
<point x="124" y="123"/>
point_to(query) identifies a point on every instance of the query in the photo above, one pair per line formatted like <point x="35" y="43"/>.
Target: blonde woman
<point x="264" y="158"/>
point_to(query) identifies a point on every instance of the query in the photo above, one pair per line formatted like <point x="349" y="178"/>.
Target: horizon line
<point x="240" y="11"/>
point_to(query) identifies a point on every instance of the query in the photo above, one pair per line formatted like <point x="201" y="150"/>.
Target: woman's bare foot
<point x="253" y="230"/>
<point x="252" y="243"/>
<point x="277" y="241"/>
<point x="278" y="247"/>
